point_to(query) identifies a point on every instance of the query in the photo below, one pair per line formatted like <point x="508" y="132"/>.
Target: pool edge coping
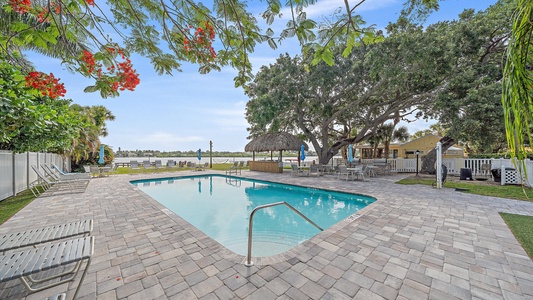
<point x="225" y="253"/>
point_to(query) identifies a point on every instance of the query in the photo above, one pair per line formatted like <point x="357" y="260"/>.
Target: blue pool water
<point x="220" y="206"/>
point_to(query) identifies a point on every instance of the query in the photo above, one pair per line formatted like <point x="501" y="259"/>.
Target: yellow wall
<point x="424" y="145"/>
<point x="407" y="150"/>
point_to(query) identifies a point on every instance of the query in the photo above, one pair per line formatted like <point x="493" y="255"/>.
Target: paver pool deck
<point x="414" y="242"/>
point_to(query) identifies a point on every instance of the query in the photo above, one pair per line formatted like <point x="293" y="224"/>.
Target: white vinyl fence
<point x="15" y="169"/>
<point x="480" y="167"/>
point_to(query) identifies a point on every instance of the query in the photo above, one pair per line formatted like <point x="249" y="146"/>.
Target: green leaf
<point x="48" y="37"/>
<point x="327" y="56"/>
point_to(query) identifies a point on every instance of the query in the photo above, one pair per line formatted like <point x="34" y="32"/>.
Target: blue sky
<point x="187" y="110"/>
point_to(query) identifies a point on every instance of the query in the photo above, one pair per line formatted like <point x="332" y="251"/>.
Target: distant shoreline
<point x="216" y="160"/>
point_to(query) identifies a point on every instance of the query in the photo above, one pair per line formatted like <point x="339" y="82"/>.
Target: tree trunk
<point x="428" y="160"/>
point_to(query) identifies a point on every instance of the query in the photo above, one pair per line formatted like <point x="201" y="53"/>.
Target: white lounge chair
<point x="72" y="186"/>
<point x="25" y="264"/>
<point x="57" y="176"/>
<point x="32" y="237"/>
<point x="80" y="175"/>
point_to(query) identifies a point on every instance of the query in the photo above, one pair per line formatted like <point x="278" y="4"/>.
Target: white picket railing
<point x="15" y="170"/>
<point x="480" y="167"/>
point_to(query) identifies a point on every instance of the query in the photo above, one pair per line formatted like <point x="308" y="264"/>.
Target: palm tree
<point x="88" y="142"/>
<point x="517" y="82"/>
<point x="389" y="134"/>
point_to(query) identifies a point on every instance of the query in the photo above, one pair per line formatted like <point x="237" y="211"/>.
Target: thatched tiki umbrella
<point x="276" y="141"/>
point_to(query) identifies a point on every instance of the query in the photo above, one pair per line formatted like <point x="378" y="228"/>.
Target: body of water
<point x="216" y="160"/>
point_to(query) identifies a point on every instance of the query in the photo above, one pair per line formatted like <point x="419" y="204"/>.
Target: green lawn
<point x="502" y="191"/>
<point x="522" y="228"/>
<point x="12" y="205"/>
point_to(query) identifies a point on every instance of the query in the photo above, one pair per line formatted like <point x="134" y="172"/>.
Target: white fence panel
<point x="6" y="174"/>
<point x="529" y="173"/>
<point x="23" y="174"/>
<point x="33" y="161"/>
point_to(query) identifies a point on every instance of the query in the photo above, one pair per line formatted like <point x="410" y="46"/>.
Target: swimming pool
<point x="220" y="206"/>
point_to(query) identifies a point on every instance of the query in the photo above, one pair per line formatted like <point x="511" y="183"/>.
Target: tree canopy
<point x="449" y="70"/>
<point x="96" y="39"/>
<point x="373" y="84"/>
<point x="469" y="106"/>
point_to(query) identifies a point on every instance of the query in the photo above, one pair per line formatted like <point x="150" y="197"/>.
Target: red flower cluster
<point x="128" y="78"/>
<point x="89" y="61"/>
<point x="48" y="85"/>
<point x="20" y="6"/>
<point x="24" y="6"/>
<point x="202" y="42"/>
<point x="123" y="74"/>
<point x="42" y="15"/>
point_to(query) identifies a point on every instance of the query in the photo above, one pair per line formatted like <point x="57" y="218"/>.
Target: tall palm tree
<point x="517" y="81"/>
<point x="89" y="140"/>
<point x="389" y="134"/>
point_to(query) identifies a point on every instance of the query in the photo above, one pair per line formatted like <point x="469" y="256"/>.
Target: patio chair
<point x="344" y="173"/>
<point x="107" y="170"/>
<point x="202" y="167"/>
<point x="234" y="169"/>
<point x="80" y="175"/>
<point x="299" y="171"/>
<point x="95" y="171"/>
<point x="72" y="185"/>
<point x="170" y="163"/>
<point x="294" y="170"/>
<point x="358" y="172"/>
<point x="134" y="165"/>
<point x="314" y="170"/>
<point x="147" y="164"/>
<point x="158" y="164"/>
<point x="25" y="264"/>
<point x="36" y="236"/>
<point x="56" y="176"/>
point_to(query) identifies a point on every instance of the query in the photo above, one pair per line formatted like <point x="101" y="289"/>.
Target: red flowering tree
<point x="32" y="117"/>
<point x="169" y="32"/>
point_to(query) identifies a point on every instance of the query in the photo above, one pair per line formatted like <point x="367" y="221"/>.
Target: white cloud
<point x="327" y="7"/>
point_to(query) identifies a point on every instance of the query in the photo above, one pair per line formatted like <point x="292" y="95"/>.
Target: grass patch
<point x="501" y="191"/>
<point x="522" y="228"/>
<point x="11" y="205"/>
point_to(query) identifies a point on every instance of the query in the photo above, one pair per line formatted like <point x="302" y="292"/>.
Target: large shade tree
<point x="373" y="84"/>
<point x="469" y="106"/>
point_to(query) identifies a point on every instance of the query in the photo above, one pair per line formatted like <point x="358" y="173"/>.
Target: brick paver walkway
<point x="414" y="242"/>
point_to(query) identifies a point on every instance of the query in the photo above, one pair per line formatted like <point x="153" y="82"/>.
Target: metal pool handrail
<point x="249" y="262"/>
